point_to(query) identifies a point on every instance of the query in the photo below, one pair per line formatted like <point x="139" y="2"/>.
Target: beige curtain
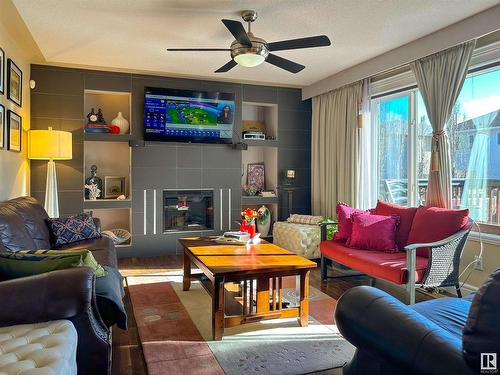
<point x="335" y="143"/>
<point x="440" y="78"/>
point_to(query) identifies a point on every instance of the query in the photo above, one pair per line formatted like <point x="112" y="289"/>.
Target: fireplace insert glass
<point x="188" y="210"/>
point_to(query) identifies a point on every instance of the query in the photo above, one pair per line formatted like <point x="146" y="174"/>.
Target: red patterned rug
<point x="174" y="344"/>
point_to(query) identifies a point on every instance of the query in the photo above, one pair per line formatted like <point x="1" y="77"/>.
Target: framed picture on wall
<point x="2" y="126"/>
<point x="2" y="71"/>
<point x="14" y="131"/>
<point x="256" y="176"/>
<point x="14" y="83"/>
<point x="114" y="186"/>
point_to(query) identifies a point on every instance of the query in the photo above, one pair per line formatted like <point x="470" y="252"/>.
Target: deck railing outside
<point x="478" y="200"/>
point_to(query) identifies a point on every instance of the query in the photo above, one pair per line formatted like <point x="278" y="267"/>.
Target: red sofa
<point x="433" y="263"/>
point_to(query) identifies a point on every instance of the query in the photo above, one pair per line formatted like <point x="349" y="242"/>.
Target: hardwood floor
<point x="127" y="353"/>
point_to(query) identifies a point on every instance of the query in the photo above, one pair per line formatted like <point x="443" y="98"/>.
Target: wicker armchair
<point x="444" y="263"/>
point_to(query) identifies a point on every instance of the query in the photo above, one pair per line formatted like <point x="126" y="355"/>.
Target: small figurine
<point x="94" y="191"/>
<point x="93" y="180"/>
<point x="100" y="117"/>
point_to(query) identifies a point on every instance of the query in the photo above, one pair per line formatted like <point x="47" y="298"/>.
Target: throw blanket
<point x="110" y="288"/>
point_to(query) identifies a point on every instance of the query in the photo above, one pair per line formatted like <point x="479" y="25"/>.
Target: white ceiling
<point x="133" y="35"/>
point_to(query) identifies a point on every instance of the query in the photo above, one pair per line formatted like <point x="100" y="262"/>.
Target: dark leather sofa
<point x="65" y="294"/>
<point x="436" y="337"/>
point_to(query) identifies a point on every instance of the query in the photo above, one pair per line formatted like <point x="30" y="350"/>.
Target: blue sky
<point x="480" y="95"/>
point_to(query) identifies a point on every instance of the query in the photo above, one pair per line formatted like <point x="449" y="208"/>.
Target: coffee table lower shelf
<point x="261" y="298"/>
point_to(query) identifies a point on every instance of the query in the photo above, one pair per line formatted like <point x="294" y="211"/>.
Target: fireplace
<point x="188" y="210"/>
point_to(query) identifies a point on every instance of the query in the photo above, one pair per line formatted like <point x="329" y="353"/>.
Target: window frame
<point x="412" y="92"/>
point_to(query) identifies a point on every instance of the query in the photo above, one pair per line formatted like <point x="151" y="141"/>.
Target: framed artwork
<point x="14" y="83"/>
<point x="114" y="186"/>
<point x="2" y="127"/>
<point x="2" y="71"/>
<point x="14" y="131"/>
<point x="256" y="176"/>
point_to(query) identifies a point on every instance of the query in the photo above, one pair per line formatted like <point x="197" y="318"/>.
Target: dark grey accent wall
<point x="58" y="101"/>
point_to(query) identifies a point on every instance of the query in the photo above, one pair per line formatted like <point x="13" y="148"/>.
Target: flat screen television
<point x="188" y="116"/>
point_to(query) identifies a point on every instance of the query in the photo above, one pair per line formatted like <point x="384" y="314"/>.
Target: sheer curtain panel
<point x="335" y="148"/>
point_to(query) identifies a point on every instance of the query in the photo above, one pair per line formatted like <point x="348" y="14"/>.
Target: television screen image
<point x="188" y="116"/>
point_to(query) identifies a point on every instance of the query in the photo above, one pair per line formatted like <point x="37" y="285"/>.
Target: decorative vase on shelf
<point x="264" y="221"/>
<point x="93" y="185"/>
<point x="122" y="123"/>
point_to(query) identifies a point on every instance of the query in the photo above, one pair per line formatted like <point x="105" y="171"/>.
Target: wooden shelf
<point x="107" y="203"/>
<point x="106" y="137"/>
<point x="261" y="142"/>
<point x="256" y="200"/>
<point x="124" y="245"/>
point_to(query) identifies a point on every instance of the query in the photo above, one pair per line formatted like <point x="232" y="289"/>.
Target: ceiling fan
<point x="249" y="51"/>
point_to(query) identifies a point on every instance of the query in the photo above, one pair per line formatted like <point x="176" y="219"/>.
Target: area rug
<point x="175" y="331"/>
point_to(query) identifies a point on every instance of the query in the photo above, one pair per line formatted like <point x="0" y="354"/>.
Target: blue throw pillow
<point x="73" y="229"/>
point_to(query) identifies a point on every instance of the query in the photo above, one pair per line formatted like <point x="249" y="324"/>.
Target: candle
<point x="290" y="173"/>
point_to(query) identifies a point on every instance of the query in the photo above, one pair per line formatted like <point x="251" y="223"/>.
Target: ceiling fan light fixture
<point x="249" y="60"/>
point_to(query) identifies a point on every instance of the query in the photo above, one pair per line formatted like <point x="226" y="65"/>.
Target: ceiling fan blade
<point x="282" y="63"/>
<point x="238" y="31"/>
<point x="310" y="42"/>
<point x="197" y="49"/>
<point x="225" y="68"/>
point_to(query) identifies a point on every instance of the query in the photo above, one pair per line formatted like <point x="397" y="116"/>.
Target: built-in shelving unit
<point x="111" y="154"/>
<point x="113" y="218"/>
<point x="266" y="113"/>
<point x="110" y="102"/>
<point x="262" y="151"/>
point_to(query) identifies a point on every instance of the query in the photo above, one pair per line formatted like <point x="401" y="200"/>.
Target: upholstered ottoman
<point x="39" y="349"/>
<point x="300" y="234"/>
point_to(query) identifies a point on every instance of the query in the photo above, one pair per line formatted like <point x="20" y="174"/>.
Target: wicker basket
<point x="118" y="236"/>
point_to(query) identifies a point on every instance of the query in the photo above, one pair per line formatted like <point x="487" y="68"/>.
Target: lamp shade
<point x="50" y="145"/>
<point x="249" y="60"/>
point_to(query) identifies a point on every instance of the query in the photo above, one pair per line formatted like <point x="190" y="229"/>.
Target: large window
<point x="402" y="147"/>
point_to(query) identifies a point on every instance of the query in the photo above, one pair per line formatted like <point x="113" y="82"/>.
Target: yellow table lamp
<point x="50" y="145"/>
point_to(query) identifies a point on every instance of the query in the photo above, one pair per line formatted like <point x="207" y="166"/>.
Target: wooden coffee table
<point x="258" y="268"/>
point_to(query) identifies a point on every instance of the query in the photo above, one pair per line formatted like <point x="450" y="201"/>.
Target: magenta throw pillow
<point x="344" y="213"/>
<point x="374" y="232"/>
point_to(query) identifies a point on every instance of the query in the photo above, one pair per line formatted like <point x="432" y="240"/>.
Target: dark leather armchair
<point x="65" y="294"/>
<point x="439" y="336"/>
<point x="68" y="294"/>
<point x="391" y="338"/>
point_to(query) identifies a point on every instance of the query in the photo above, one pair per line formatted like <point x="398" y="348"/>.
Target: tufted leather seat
<point x="302" y="239"/>
<point x="39" y="349"/>
<point x="64" y="294"/>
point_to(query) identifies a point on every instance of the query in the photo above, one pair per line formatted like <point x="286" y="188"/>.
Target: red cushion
<point x="387" y="266"/>
<point x="374" y="232"/>
<point x="434" y="224"/>
<point x="344" y="228"/>
<point x="406" y="215"/>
